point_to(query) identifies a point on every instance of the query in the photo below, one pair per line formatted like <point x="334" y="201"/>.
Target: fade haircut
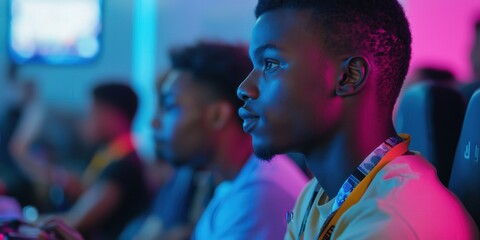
<point x="378" y="28"/>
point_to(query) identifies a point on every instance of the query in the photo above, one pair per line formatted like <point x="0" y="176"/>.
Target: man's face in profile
<point x="180" y="130"/>
<point x="289" y="95"/>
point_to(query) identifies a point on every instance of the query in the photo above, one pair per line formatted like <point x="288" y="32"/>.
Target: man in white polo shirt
<point x="326" y="77"/>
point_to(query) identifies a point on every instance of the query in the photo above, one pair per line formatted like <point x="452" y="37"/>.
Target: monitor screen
<point x="54" y="31"/>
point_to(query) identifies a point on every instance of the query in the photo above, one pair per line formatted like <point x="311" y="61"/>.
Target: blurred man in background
<point x="114" y="188"/>
<point x="197" y="125"/>
<point x="178" y="203"/>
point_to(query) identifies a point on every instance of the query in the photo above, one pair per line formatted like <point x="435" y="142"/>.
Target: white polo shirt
<point x="254" y="204"/>
<point x="404" y="201"/>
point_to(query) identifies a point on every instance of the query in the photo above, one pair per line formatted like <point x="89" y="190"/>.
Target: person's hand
<point x="61" y="230"/>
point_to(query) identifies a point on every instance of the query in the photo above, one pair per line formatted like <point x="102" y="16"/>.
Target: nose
<point x="248" y="89"/>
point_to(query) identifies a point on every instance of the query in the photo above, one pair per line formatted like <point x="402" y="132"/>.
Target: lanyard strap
<point x="361" y="188"/>
<point x="363" y="170"/>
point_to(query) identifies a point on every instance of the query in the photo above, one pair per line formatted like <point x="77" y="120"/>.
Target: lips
<point x="250" y="119"/>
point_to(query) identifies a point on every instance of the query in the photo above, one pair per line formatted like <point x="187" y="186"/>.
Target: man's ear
<point x="219" y="114"/>
<point x="353" y="76"/>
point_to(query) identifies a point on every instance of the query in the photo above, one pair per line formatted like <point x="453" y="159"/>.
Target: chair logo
<point x="466" y="154"/>
<point x="476" y="153"/>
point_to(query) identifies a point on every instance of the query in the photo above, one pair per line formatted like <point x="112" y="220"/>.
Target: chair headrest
<point x="432" y="114"/>
<point x="465" y="178"/>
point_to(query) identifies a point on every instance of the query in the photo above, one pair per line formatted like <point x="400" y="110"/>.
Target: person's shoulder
<point x="130" y="162"/>
<point x="310" y="187"/>
<point x="405" y="216"/>
<point x="407" y="191"/>
<point x="409" y="174"/>
<point x="305" y="196"/>
<point x="127" y="169"/>
<point x="410" y="166"/>
<point x="255" y="211"/>
<point x="278" y="174"/>
<point x="268" y="182"/>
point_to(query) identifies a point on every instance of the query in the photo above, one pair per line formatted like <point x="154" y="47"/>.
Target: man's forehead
<point x="170" y="79"/>
<point x="181" y="85"/>
<point x="278" y="29"/>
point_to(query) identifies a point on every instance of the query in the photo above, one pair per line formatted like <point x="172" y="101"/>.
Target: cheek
<point x="281" y="119"/>
<point x="290" y="99"/>
<point x="172" y="131"/>
<point x="299" y="104"/>
<point x="278" y="106"/>
<point x="97" y="125"/>
<point x="89" y="130"/>
<point x="185" y="134"/>
<point x="169" y="124"/>
<point x="314" y="97"/>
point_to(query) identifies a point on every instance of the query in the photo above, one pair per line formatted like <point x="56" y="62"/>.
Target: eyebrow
<point x="261" y="49"/>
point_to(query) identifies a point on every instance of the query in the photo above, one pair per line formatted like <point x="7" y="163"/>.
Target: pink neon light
<point x="442" y="33"/>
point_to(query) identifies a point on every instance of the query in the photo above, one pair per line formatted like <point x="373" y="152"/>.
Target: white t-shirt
<point x="254" y="204"/>
<point x="404" y="201"/>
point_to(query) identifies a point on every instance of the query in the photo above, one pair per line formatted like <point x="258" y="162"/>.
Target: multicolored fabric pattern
<point x="116" y="150"/>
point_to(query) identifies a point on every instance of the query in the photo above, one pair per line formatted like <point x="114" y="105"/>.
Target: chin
<point x="265" y="153"/>
<point x="266" y="150"/>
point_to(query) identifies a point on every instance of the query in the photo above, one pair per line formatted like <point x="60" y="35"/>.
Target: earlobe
<point x="353" y="76"/>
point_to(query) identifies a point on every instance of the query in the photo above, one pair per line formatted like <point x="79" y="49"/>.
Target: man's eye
<point x="271" y="65"/>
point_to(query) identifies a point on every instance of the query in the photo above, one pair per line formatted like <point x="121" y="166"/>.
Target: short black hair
<point x="219" y="66"/>
<point x="119" y="96"/>
<point x="376" y="27"/>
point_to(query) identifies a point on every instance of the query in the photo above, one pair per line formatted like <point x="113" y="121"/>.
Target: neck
<point x="233" y="151"/>
<point x="333" y="161"/>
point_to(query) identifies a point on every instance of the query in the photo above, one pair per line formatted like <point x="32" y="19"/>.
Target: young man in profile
<point x="325" y="79"/>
